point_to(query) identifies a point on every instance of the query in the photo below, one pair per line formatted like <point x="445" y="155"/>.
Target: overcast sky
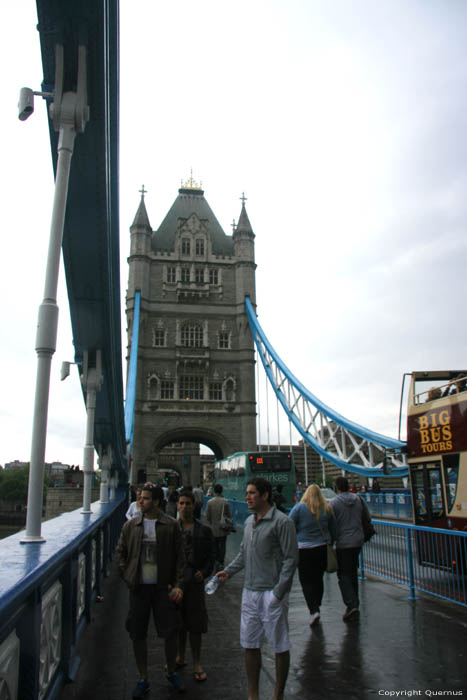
<point x="345" y="125"/>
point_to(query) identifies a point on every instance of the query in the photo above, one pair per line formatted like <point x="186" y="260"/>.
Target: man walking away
<point x="151" y="561"/>
<point x="198" y="496"/>
<point x="216" y="508"/>
<point x="198" y="544"/>
<point x="269" y="555"/>
<point x="348" y="508"/>
<point x="278" y="498"/>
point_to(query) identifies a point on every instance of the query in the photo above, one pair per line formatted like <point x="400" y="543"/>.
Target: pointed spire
<point x="243" y="222"/>
<point x="141" y="218"/>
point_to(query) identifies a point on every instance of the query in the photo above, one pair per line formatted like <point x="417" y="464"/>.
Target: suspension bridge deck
<point x="397" y="645"/>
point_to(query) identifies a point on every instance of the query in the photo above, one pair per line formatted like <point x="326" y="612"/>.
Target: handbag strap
<point x="319" y="525"/>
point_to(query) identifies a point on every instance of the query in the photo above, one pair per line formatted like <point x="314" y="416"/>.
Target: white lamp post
<point x="70" y="114"/>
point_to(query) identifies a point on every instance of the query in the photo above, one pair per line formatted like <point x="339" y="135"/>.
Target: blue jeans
<point x="347" y="567"/>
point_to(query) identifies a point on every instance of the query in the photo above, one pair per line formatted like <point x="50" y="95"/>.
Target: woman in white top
<point x="133" y="510"/>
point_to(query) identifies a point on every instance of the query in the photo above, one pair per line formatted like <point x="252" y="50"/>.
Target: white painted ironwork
<point x="51" y="636"/>
<point x="9" y="667"/>
<point x="347" y="445"/>
<point x="81" y="586"/>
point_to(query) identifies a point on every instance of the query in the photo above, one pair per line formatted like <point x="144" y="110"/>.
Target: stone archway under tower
<point x="178" y="450"/>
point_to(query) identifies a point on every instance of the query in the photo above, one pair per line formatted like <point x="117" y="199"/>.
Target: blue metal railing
<point x="389" y="505"/>
<point x="46" y="594"/>
<point x="425" y="559"/>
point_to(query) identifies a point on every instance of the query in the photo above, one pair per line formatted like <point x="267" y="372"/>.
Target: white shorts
<point x="264" y="614"/>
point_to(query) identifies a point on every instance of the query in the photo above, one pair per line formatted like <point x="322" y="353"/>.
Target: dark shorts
<point x="194" y="613"/>
<point x="166" y="614"/>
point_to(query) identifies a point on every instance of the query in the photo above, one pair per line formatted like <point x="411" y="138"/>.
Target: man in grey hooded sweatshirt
<point x="348" y="508"/>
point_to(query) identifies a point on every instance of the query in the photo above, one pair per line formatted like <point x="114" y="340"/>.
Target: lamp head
<point x="65" y="370"/>
<point x="26" y="103"/>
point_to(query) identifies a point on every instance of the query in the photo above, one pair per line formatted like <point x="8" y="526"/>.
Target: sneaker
<point x="351" y="612"/>
<point x="142" y="687"/>
<point x="314" y="618"/>
<point x="176" y="681"/>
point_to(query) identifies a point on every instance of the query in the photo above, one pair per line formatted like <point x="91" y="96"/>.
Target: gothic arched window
<point x="158" y="337"/>
<point x="191" y="335"/>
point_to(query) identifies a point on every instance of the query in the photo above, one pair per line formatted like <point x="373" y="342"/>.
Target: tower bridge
<point x="191" y="311"/>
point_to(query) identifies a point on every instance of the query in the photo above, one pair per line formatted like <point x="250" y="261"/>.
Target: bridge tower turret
<point x="245" y="268"/>
<point x="140" y="249"/>
<point x="244" y="249"/>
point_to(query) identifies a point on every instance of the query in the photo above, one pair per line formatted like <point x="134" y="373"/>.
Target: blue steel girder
<point x="91" y="231"/>
<point x="342" y="442"/>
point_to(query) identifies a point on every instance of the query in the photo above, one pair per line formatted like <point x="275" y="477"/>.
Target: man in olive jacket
<point x="151" y="561"/>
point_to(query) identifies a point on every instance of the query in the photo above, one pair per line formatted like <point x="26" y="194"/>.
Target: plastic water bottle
<point x="212" y="585"/>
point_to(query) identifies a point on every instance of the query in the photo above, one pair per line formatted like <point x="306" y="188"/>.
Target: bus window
<point x="427" y="493"/>
<point x="270" y="462"/>
<point x="419" y="500"/>
<point x="451" y="478"/>
<point x="241" y="465"/>
<point x="436" y="498"/>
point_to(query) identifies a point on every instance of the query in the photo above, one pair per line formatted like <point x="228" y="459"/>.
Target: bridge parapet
<point x="46" y="594"/>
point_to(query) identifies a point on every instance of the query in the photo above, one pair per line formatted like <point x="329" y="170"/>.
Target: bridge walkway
<point x="397" y="645"/>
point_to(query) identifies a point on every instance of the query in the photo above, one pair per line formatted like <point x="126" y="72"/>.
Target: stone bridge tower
<point x="195" y="379"/>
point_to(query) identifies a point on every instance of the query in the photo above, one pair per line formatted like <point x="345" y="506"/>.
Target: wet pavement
<point x="412" y="648"/>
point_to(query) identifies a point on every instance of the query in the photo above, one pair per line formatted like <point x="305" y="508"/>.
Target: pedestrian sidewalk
<point x="396" y="645"/>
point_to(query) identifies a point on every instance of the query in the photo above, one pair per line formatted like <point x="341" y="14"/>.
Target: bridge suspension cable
<point x="132" y="374"/>
<point x="347" y="445"/>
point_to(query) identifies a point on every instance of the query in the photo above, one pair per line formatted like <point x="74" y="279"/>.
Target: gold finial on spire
<point x="192" y="184"/>
<point x="142" y="191"/>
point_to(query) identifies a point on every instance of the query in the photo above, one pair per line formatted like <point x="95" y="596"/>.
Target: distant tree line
<point x="14" y="484"/>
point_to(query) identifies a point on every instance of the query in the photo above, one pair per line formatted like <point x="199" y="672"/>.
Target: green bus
<point x="234" y="472"/>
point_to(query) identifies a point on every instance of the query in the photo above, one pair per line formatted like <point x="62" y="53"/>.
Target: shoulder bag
<point x="331" y="566"/>
<point x="226" y="523"/>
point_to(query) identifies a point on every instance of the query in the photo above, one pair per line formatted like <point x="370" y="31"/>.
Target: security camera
<point x="26" y="103"/>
